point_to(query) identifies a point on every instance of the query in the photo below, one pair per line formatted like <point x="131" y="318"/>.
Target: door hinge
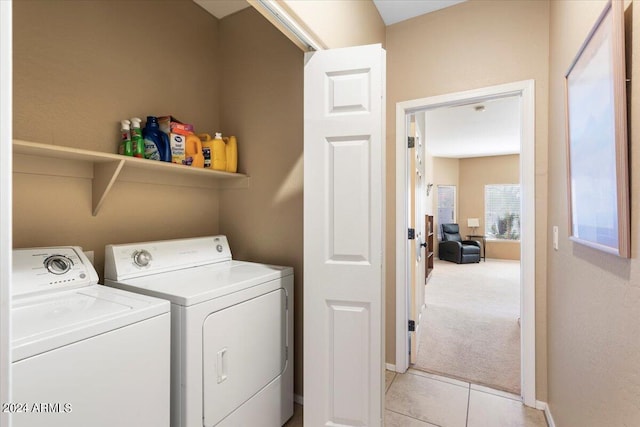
<point x="412" y="325"/>
<point x="411" y="141"/>
<point x="412" y="234"/>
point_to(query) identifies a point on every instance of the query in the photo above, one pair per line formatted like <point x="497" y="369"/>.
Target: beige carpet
<point x="470" y="327"/>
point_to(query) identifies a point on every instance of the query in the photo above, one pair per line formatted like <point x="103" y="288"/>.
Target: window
<point x="446" y="206"/>
<point x="502" y="211"/>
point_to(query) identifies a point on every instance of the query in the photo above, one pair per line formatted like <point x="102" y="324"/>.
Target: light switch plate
<point x="555" y="237"/>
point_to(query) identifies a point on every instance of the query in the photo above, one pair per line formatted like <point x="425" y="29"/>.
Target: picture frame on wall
<point x="597" y="147"/>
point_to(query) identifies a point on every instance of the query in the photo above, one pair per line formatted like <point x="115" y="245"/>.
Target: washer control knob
<point x="58" y="264"/>
<point x="219" y="248"/>
<point x="142" y="258"/>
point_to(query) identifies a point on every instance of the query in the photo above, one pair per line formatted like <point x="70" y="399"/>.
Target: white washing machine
<point x="231" y="326"/>
<point x="84" y="354"/>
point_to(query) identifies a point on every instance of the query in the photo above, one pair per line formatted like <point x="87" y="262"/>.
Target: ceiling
<point x="222" y="8"/>
<point x="469" y="131"/>
<point x="391" y="11"/>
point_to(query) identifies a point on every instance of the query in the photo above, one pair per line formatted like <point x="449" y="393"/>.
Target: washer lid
<point x="50" y="321"/>
<point x="195" y="285"/>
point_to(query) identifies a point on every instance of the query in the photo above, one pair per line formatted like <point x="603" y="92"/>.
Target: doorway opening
<point x="524" y="93"/>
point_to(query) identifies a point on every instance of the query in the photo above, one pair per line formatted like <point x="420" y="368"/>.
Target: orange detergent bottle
<point x="231" y="151"/>
<point x="193" y="151"/>
<point x="219" y="153"/>
<point x="207" y="148"/>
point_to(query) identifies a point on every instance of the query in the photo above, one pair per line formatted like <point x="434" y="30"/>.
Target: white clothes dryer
<point x="231" y="325"/>
<point x="84" y="354"/>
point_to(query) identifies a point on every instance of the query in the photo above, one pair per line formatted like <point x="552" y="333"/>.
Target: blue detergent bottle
<point x="156" y="142"/>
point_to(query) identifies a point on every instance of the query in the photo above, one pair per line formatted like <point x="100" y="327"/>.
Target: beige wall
<point x="94" y="66"/>
<point x="593" y="297"/>
<point x="264" y="223"/>
<point x="471" y="45"/>
<point x="475" y="173"/>
<point x="79" y="68"/>
<point x="338" y="23"/>
<point x="82" y="66"/>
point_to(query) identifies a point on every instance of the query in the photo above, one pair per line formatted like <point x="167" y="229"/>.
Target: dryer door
<point x="244" y="349"/>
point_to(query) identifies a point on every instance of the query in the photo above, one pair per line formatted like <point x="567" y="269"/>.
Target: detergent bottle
<point x="193" y="152"/>
<point x="231" y="154"/>
<point x="156" y="142"/>
<point x="219" y="154"/>
<point x="207" y="148"/>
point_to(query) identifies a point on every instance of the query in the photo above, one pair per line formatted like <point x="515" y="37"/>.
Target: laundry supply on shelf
<point x="178" y="144"/>
<point x="219" y="153"/>
<point x="193" y="152"/>
<point x="137" y="143"/>
<point x="177" y="133"/>
<point x="231" y="151"/>
<point x="125" y="148"/>
<point x="169" y="124"/>
<point x="207" y="148"/>
<point x="156" y="142"/>
<point x="165" y="138"/>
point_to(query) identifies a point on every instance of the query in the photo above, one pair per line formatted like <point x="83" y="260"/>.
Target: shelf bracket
<point x="104" y="176"/>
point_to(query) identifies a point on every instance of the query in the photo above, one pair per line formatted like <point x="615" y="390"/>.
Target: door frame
<point x="526" y="90"/>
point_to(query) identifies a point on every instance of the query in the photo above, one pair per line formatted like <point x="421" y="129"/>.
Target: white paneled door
<point x="344" y="228"/>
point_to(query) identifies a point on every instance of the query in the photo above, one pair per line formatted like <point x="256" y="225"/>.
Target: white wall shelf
<point x="104" y="169"/>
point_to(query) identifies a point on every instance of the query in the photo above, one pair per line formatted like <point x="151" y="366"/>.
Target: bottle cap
<point x="218" y="135"/>
<point x="125" y="124"/>
<point x="135" y="122"/>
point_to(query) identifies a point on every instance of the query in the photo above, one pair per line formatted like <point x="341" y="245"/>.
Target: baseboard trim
<point x="544" y="406"/>
<point x="390" y="367"/>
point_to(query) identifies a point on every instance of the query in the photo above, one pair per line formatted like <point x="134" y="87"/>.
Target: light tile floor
<point x="419" y="399"/>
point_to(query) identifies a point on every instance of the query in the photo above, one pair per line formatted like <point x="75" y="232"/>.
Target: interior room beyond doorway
<point x="470" y="330"/>
<point x="521" y="92"/>
<point x="470" y="327"/>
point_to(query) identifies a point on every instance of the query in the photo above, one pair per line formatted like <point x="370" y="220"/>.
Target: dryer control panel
<point x="131" y="260"/>
<point x="38" y="270"/>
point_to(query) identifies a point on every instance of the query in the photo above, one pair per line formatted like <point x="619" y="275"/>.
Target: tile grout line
<point x="395" y="375"/>
<point x="413" y="418"/>
<point x="434" y="377"/>
<point x="498" y="393"/>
